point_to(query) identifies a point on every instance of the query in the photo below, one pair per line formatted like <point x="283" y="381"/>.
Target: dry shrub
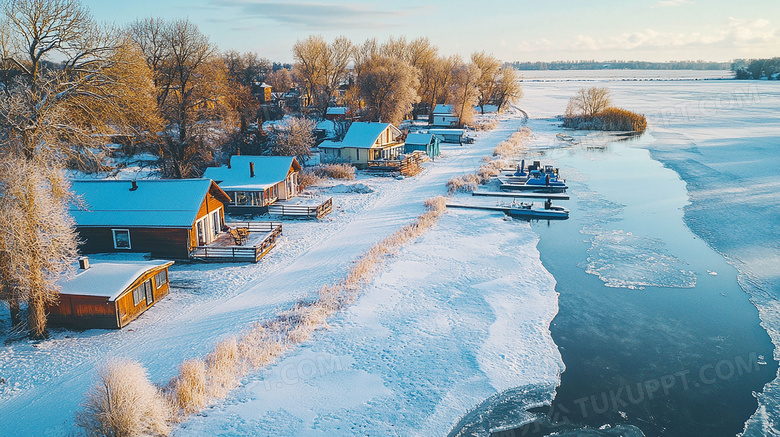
<point x="463" y="184"/>
<point x="308" y="177"/>
<point x="489" y="169"/>
<point x="189" y="387"/>
<point x="124" y="403"/>
<point x="483" y="125"/>
<point x="334" y="171"/>
<point x="260" y="346"/>
<point x="438" y="204"/>
<point x="514" y="144"/>
<point x="223" y="368"/>
<point x="618" y="119"/>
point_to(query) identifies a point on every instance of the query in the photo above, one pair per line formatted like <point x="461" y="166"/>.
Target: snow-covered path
<point x="45" y="381"/>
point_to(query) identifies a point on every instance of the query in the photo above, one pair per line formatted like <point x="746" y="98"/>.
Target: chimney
<point x="229" y="158"/>
<point x="83" y="263"/>
<point x="135" y="185"/>
<point x="251" y="169"/>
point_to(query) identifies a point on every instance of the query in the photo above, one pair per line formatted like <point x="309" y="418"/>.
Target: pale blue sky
<point x="653" y="30"/>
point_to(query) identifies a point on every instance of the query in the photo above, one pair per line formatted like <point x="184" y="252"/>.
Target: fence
<point x="317" y="211"/>
<point x="241" y="253"/>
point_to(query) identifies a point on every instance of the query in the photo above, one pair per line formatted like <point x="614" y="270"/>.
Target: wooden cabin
<point x="364" y="142"/>
<point x="255" y="182"/>
<point x="427" y="143"/>
<point x="444" y="116"/>
<point x="167" y="218"/>
<point x="109" y="294"/>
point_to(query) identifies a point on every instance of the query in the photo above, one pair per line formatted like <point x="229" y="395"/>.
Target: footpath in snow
<point x="459" y="315"/>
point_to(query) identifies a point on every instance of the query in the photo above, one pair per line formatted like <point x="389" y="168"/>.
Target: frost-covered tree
<point x="490" y="70"/>
<point x="464" y="92"/>
<point x="321" y="67"/>
<point x="388" y="88"/>
<point x="68" y="83"/>
<point x="280" y="80"/>
<point x="293" y="137"/>
<point x="588" y="102"/>
<point x="508" y="89"/>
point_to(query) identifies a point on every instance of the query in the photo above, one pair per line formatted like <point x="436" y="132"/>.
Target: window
<point x="357" y="154"/>
<point x="216" y="223"/>
<point x="121" y="238"/>
<point x="161" y="278"/>
<point x="143" y="292"/>
<point x="149" y="292"/>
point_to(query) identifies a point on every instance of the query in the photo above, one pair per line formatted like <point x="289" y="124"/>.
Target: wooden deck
<point x="310" y="211"/>
<point x="408" y="166"/>
<point x="259" y="241"/>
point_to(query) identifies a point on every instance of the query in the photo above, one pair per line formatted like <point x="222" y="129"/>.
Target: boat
<point x="528" y="211"/>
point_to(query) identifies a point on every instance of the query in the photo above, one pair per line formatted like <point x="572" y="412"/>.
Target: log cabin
<point x="166" y="218"/>
<point x="109" y="294"/>
<point x="255" y="182"/>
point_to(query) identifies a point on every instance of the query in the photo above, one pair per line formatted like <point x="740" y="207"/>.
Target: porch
<point x="286" y="209"/>
<point x="408" y="165"/>
<point x="244" y="242"/>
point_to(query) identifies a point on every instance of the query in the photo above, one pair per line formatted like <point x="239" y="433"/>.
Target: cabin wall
<point x="160" y="242"/>
<point x="82" y="312"/>
<point x="209" y="205"/>
<point x="127" y="311"/>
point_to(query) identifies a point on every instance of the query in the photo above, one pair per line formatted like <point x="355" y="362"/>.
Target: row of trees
<point x="756" y="68"/>
<point x="390" y="80"/>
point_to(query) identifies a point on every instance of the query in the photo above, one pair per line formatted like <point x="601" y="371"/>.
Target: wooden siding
<point x="160" y="242"/>
<point x="97" y="312"/>
<point x="209" y="205"/>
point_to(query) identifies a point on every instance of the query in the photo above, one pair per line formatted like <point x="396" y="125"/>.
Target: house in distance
<point x="426" y="142"/>
<point x="167" y="218"/>
<point x="109" y="294"/>
<point x="255" y="182"/>
<point x="364" y="142"/>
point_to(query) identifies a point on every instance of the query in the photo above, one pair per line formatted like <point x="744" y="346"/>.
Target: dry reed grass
<point x="308" y="177"/>
<point x="483" y="125"/>
<point x="334" y="171"/>
<point x="189" y="388"/>
<point x="124" y="403"/>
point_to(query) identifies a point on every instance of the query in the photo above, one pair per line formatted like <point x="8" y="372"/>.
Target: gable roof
<point x="364" y="134"/>
<point x="418" y="139"/>
<point x="443" y="110"/>
<point x="336" y="110"/>
<point x="269" y="171"/>
<point x="163" y="203"/>
<point x="107" y="279"/>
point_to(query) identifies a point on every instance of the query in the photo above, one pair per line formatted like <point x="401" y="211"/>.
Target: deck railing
<point x="241" y="253"/>
<point x="408" y="166"/>
<point x="317" y="211"/>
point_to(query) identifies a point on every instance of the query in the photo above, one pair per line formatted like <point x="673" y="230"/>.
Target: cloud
<point x="317" y="16"/>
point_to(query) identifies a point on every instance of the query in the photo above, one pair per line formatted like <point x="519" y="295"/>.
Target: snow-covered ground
<point x="454" y="318"/>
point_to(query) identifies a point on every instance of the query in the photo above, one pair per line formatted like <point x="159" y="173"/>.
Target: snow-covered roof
<point x="328" y="144"/>
<point x="107" y="278"/>
<point x="364" y="134"/>
<point x="336" y="110"/>
<point x="269" y="171"/>
<point x="167" y="203"/>
<point x="443" y="110"/>
<point x="418" y="139"/>
<point x="446" y="131"/>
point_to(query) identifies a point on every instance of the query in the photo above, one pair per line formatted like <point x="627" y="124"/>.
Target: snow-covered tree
<point x="68" y="83"/>
<point x="388" y="88"/>
<point x="464" y="92"/>
<point x="490" y="69"/>
<point x="293" y="137"/>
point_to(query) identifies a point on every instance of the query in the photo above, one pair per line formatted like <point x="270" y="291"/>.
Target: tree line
<point x="768" y="68"/>
<point x="620" y="65"/>
<point x="69" y="86"/>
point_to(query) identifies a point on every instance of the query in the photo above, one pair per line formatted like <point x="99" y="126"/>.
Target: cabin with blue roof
<point x="426" y="142"/>
<point x="364" y="142"/>
<point x="255" y="182"/>
<point x="166" y="218"/>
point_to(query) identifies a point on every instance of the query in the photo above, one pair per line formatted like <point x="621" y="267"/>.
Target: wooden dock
<point x="551" y="196"/>
<point x="480" y="207"/>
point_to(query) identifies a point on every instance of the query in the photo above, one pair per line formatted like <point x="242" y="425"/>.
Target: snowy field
<point x="454" y="318"/>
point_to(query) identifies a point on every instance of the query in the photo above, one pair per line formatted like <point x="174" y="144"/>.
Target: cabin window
<point x="121" y="238"/>
<point x="161" y="278"/>
<point x="143" y="292"/>
<point x="357" y="154"/>
<point x="216" y="223"/>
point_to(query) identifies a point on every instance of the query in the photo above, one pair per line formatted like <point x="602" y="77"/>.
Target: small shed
<point x="444" y="116"/>
<point x="109" y="294"/>
<point x="255" y="182"/>
<point x="167" y="218"/>
<point x="449" y="135"/>
<point x="364" y="142"/>
<point x="427" y="143"/>
<point x="336" y="113"/>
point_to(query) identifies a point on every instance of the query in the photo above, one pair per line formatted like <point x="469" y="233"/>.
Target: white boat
<point x="527" y="210"/>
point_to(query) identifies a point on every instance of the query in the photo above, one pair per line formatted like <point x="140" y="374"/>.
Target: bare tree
<point x="193" y="92"/>
<point x="280" y="80"/>
<point x="49" y="113"/>
<point x="388" y="87"/>
<point x="293" y="137"/>
<point x="438" y="76"/>
<point x="508" y="89"/>
<point x="464" y="92"/>
<point x="321" y="67"/>
<point x="490" y="68"/>
<point x="588" y="102"/>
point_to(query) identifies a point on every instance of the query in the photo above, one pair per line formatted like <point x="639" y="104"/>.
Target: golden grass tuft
<point x="223" y="368"/>
<point x="334" y="171"/>
<point x="124" y="403"/>
<point x="189" y="387"/>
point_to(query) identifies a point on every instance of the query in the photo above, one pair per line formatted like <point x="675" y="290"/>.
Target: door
<point x="201" y="233"/>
